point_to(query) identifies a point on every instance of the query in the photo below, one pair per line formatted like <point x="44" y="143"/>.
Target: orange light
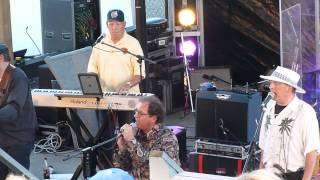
<point x="186" y="17"/>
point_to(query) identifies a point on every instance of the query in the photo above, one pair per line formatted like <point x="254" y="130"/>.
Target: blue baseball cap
<point x="112" y="174"/>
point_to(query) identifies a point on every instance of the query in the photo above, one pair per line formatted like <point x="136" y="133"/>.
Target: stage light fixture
<point x="188" y="48"/>
<point x="186" y="17"/>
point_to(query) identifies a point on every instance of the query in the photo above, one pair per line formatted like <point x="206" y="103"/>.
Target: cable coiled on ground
<point x="49" y="144"/>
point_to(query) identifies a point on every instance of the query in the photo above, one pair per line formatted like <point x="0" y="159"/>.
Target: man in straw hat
<point x="289" y="134"/>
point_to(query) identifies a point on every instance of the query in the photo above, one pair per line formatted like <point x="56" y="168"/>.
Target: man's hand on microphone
<point x="121" y="144"/>
<point x="127" y="132"/>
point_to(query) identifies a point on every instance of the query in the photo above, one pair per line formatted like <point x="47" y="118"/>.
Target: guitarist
<point x="17" y="115"/>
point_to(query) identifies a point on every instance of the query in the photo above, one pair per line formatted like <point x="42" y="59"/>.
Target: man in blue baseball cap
<point x="115" y="15"/>
<point x="117" y="71"/>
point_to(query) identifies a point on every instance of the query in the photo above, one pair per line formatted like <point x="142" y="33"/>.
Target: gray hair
<point x="15" y="177"/>
<point x="262" y="174"/>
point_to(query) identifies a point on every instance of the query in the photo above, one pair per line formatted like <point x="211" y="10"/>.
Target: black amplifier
<point x="160" y="53"/>
<point x="213" y="110"/>
<point x="159" y="41"/>
<point x="165" y="67"/>
<point x="158" y="34"/>
<point x="234" y="150"/>
<point x="155" y="26"/>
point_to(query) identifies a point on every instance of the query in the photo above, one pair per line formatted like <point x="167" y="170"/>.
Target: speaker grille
<point x="230" y="119"/>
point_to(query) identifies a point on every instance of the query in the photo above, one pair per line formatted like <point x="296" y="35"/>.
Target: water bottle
<point x="46" y="170"/>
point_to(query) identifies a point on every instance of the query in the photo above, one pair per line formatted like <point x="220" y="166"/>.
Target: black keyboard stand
<point x="96" y="157"/>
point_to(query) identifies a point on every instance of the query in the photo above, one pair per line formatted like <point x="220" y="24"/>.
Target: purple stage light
<point x="192" y="52"/>
<point x="189" y="47"/>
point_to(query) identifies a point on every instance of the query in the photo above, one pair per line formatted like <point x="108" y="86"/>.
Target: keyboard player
<point x="117" y="71"/>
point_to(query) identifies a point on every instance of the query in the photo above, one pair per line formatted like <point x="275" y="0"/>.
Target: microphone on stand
<point x="99" y="39"/>
<point x="126" y="51"/>
<point x="267" y="99"/>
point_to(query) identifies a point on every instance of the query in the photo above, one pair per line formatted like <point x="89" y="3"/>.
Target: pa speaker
<point x="227" y="115"/>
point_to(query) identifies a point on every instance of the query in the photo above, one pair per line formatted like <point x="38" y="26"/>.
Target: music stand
<point x="90" y="85"/>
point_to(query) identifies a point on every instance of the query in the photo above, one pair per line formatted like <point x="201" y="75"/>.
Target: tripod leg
<point x="186" y="103"/>
<point x="89" y="162"/>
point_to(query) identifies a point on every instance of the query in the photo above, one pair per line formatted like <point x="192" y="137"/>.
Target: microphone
<point x="99" y="39"/>
<point x="267" y="99"/>
<point x="134" y="129"/>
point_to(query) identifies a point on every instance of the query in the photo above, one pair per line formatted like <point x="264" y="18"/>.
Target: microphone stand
<point x="186" y="64"/>
<point x="139" y="57"/>
<point x="250" y="151"/>
<point x="227" y="131"/>
<point x="88" y="170"/>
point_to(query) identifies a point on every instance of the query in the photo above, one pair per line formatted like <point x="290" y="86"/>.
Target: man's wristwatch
<point x="129" y="83"/>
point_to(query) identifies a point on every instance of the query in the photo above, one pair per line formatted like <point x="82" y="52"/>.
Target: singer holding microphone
<point x="118" y="71"/>
<point x="135" y="141"/>
<point x="289" y="134"/>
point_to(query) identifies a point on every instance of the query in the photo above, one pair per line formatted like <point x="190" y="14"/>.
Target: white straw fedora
<point x="287" y="76"/>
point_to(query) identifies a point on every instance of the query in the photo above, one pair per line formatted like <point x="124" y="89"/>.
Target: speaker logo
<point x="221" y="171"/>
<point x="223" y="96"/>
